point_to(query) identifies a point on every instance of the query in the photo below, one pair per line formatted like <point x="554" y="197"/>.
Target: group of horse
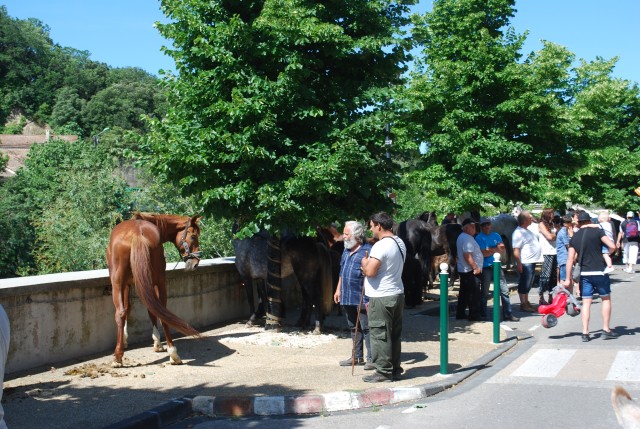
<point x="135" y="257"/>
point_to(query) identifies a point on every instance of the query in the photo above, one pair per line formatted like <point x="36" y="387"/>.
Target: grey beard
<point x="350" y="243"/>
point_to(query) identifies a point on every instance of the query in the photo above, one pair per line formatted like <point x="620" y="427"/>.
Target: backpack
<point x="631" y="229"/>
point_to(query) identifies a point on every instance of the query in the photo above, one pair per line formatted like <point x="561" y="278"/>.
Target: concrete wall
<point x="69" y="315"/>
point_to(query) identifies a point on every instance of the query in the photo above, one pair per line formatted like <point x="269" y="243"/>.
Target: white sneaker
<point x="627" y="270"/>
<point x="609" y="270"/>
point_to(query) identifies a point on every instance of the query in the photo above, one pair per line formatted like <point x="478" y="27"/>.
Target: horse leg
<point x="248" y="285"/>
<point x="127" y="306"/>
<point x="174" y="359"/>
<point x="120" y="318"/>
<point x="259" y="312"/>
<point x="155" y="334"/>
<point x="319" y="319"/>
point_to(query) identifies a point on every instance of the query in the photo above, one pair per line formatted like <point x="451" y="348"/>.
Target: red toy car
<point x="563" y="302"/>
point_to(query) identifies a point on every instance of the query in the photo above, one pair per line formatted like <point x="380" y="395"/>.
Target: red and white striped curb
<point x="305" y="404"/>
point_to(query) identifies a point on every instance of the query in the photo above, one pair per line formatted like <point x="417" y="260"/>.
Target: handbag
<point x="575" y="273"/>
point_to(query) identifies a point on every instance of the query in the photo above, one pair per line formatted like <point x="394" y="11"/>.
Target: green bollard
<point x="444" y="318"/>
<point x="496" y="298"/>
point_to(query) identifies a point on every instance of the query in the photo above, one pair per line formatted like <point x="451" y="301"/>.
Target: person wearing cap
<point x="629" y="244"/>
<point x="585" y="248"/>
<point x="490" y="243"/>
<point x="469" y="267"/>
<point x="527" y="252"/>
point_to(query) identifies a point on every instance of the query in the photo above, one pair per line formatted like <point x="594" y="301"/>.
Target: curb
<point x="262" y="406"/>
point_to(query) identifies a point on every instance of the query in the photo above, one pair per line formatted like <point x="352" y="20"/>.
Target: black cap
<point x="583" y="216"/>
<point x="467" y="221"/>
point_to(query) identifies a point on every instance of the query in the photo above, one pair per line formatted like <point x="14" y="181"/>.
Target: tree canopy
<point x="499" y="129"/>
<point x="277" y="115"/>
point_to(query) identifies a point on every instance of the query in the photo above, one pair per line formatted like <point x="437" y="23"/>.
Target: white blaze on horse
<point x="135" y="257"/>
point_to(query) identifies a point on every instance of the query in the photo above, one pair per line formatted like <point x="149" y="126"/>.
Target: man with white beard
<point x="349" y="292"/>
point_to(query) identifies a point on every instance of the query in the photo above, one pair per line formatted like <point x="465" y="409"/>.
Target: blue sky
<point x="121" y="33"/>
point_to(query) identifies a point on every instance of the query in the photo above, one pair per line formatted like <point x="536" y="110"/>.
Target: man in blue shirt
<point x="349" y="291"/>
<point x="490" y="243"/>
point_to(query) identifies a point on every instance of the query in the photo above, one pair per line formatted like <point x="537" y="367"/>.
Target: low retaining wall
<point x="57" y="317"/>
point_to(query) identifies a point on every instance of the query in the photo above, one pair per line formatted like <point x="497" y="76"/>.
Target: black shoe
<point x="376" y="377"/>
<point x="586" y="338"/>
<point x="511" y="318"/>
<point x="609" y="335"/>
<point x="397" y="373"/>
<point x="347" y="362"/>
<point x="369" y="366"/>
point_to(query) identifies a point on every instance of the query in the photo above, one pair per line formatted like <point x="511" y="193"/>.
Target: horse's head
<point x="186" y="241"/>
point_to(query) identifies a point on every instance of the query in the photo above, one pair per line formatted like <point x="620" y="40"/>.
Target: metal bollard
<point x="496" y="298"/>
<point x="444" y="318"/>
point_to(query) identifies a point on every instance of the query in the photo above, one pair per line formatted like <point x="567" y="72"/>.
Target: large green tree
<point x="458" y="97"/>
<point x="277" y="114"/>
<point x="498" y="129"/>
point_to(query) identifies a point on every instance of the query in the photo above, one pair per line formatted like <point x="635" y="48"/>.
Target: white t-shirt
<point x="548" y="246"/>
<point x="527" y="242"/>
<point x="388" y="281"/>
<point x="467" y="244"/>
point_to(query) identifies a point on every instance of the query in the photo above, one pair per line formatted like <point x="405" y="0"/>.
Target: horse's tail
<point x="326" y="280"/>
<point x="143" y="280"/>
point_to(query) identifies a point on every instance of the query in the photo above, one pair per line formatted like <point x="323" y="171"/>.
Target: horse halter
<point x="188" y="254"/>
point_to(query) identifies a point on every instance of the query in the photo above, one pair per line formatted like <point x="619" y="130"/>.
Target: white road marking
<point x="544" y="363"/>
<point x="625" y="367"/>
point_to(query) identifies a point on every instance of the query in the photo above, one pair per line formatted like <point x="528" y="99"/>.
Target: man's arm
<point x="570" y="258"/>
<point x="468" y="257"/>
<point x="516" y="254"/>
<point x="370" y="266"/>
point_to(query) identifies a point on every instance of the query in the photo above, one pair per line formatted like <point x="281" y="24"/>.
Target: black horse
<point x="416" y="271"/>
<point x="443" y="242"/>
<point x="304" y="257"/>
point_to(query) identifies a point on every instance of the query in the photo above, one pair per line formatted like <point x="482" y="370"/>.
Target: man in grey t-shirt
<point x="470" y="269"/>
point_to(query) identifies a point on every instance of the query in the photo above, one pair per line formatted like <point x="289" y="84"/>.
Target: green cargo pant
<point x="385" y="331"/>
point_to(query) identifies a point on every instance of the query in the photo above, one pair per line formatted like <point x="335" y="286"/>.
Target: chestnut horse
<point x="135" y="256"/>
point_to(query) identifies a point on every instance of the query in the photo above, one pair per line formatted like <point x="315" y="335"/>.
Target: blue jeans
<point x="525" y="278"/>
<point x="590" y="284"/>
<point x="563" y="272"/>
<point x="351" y="311"/>
<point x="487" y="279"/>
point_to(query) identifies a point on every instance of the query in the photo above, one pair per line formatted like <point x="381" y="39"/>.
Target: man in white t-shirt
<point x="383" y="286"/>
<point x="527" y="252"/>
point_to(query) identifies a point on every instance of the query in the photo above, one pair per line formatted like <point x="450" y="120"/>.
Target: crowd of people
<point x="371" y="291"/>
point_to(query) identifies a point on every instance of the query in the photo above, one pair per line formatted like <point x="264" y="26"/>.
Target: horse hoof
<point x="174" y="359"/>
<point x="116" y="364"/>
<point x="316" y="331"/>
<point x="158" y="348"/>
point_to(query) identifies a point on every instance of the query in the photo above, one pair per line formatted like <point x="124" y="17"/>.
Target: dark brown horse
<point x="135" y="256"/>
<point x="304" y="257"/>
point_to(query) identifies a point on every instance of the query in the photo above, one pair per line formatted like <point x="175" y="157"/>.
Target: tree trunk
<point x="274" y="284"/>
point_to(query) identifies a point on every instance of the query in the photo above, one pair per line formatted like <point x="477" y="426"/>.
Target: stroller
<point x="562" y="302"/>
